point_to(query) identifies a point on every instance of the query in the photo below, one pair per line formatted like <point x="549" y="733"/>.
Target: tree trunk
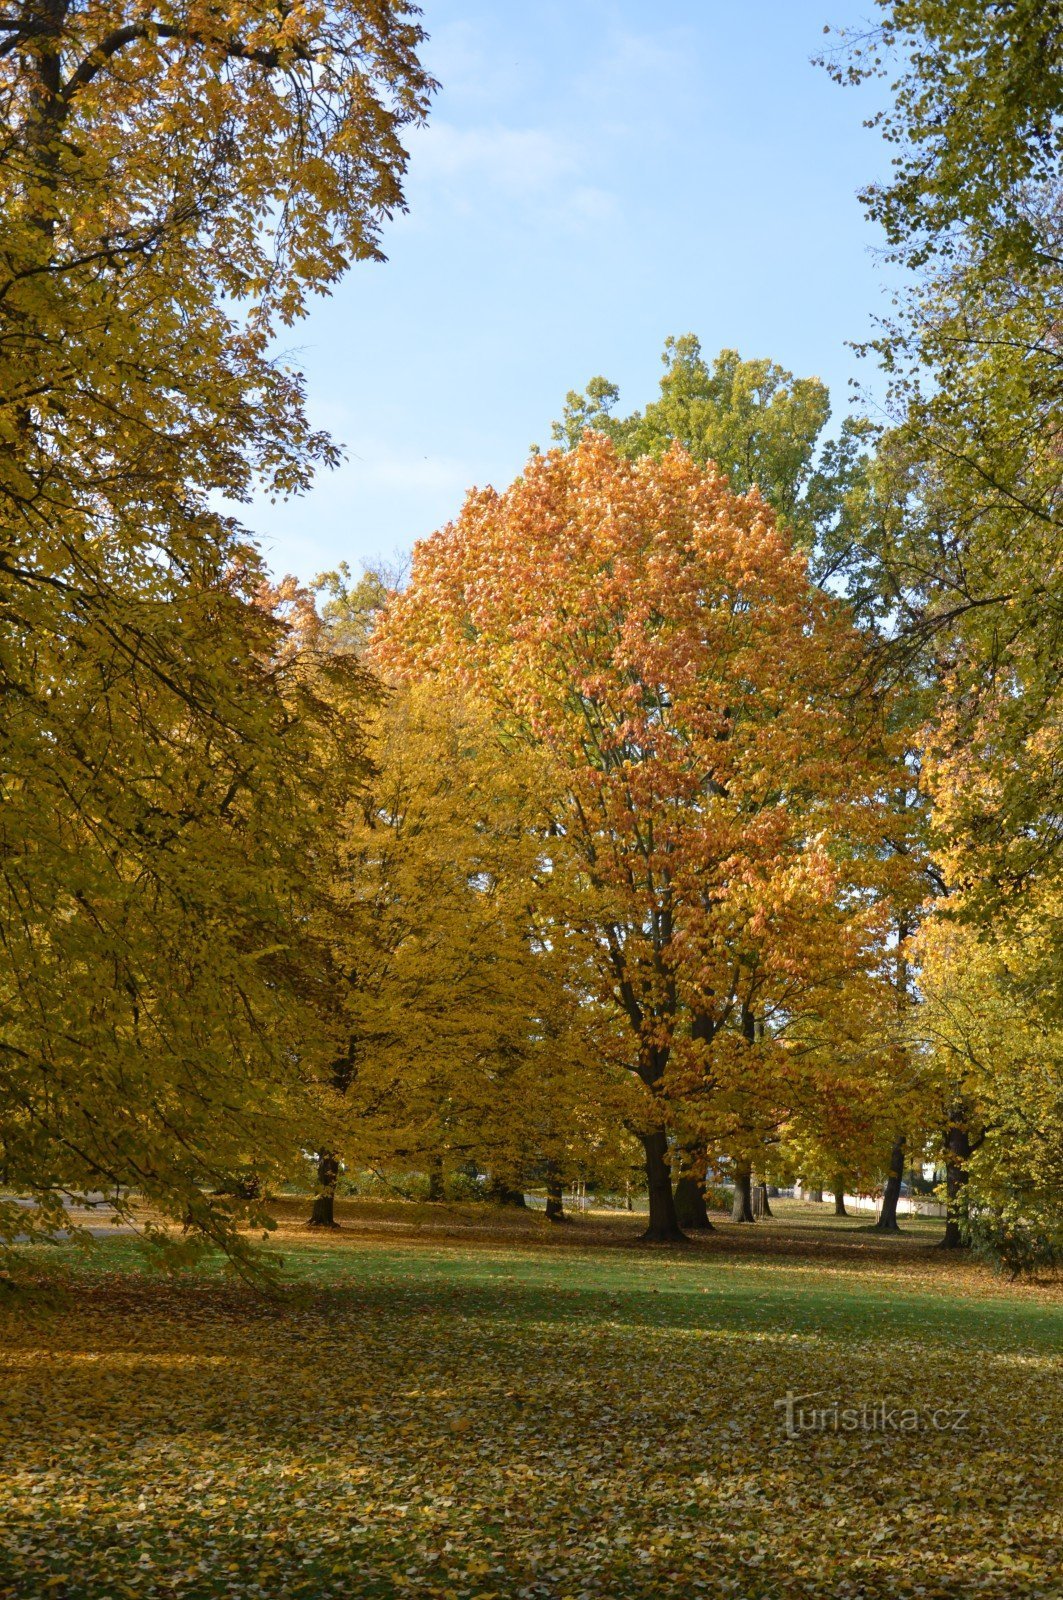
<point x="435" y="1179"/>
<point x="742" y="1209"/>
<point x="816" y="1195"/>
<point x="690" y="1208"/>
<point x="555" y="1200"/>
<point x="663" y="1224"/>
<point x="839" y="1196"/>
<point x="761" y="1208"/>
<point x="958" y="1146"/>
<point x="504" y="1195"/>
<point x="887" y="1219"/>
<point x="323" y="1214"/>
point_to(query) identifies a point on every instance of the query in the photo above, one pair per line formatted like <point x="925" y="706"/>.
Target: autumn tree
<point x="992" y="1026"/>
<point x="974" y="119"/>
<point x="965" y="544"/>
<point x="966" y="538"/>
<point x="175" y="183"/>
<point x="863" y="1102"/>
<point x="706" y="770"/>
<point x="756" y="423"/>
<point x="472" y="1031"/>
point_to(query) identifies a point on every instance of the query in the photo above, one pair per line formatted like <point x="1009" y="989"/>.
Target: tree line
<point x="695" y="803"/>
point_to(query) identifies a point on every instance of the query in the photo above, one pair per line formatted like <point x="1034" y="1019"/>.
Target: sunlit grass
<point x="527" y="1412"/>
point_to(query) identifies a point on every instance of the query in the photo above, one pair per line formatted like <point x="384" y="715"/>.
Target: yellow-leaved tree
<point x="175" y="179"/>
<point x="473" y="1037"/>
<point x="992" y="1026"/>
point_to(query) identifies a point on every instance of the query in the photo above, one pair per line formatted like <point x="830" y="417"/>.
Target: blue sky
<point x="596" y="175"/>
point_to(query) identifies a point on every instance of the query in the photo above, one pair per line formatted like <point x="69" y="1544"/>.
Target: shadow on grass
<point x="413" y="1418"/>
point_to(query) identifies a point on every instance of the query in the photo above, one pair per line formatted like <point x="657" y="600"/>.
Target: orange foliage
<point x="710" y="773"/>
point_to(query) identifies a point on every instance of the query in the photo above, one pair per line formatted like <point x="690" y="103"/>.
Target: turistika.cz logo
<point x="876" y="1416"/>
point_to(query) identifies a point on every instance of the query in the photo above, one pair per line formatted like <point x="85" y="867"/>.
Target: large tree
<point x="468" y="1011"/>
<point x="705" y="764"/>
<point x="174" y="182"/>
<point x="963" y="549"/>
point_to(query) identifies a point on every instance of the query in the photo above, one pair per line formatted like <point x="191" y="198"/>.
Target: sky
<point x="595" y="176"/>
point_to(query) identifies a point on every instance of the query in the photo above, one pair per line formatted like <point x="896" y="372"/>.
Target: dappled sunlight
<point x="493" y="1422"/>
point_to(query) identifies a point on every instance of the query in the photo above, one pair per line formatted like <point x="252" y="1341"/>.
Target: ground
<point x="436" y="1404"/>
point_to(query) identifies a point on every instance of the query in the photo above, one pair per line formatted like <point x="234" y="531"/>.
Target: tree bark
<point x="323" y="1214"/>
<point x="958" y="1147"/>
<point x="555" y="1200"/>
<point x="663" y="1224"/>
<point x="839" y="1196"/>
<point x="690" y="1208"/>
<point x="887" y="1219"/>
<point x="816" y="1195"/>
<point x="435" y="1179"/>
<point x="742" y="1209"/>
<point x="761" y="1207"/>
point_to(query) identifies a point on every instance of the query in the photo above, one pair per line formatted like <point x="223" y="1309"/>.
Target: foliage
<point x="995" y="1028"/>
<point x="470" y="1036"/>
<point x="962" y="531"/>
<point x="976" y="116"/>
<point x="962" y="548"/>
<point x="1010" y="1240"/>
<point x="162" y="980"/>
<point x="976" y="477"/>
<point x="704" y="762"/>
<point x="173" y="182"/>
<point x="755" y="423"/>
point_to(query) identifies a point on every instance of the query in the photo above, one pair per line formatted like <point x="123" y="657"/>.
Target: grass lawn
<point x="440" y="1405"/>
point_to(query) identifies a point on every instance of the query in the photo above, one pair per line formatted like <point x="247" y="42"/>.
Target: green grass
<point x="437" y="1406"/>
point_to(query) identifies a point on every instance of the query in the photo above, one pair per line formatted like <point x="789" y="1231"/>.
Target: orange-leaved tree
<point x="709" y="774"/>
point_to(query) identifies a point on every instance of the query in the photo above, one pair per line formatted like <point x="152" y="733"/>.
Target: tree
<point x="976" y="119"/>
<point x="471" y="1031"/>
<point x="965" y="539"/>
<point x="161" y="973"/>
<point x="757" y="424"/>
<point x="174" y="183"/>
<point x="964" y="549"/>
<point x="704" y="765"/>
<point x="992" y="1025"/>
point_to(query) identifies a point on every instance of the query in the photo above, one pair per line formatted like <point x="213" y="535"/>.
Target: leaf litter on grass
<point x="474" y="1422"/>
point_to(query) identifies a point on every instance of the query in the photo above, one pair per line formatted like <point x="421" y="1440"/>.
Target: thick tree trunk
<point x="839" y="1197"/>
<point x="690" y="1208"/>
<point x="761" y="1207"/>
<point x="555" y="1200"/>
<point x="663" y="1225"/>
<point x="958" y="1146"/>
<point x="435" y="1179"/>
<point x="323" y="1214"/>
<point x="816" y="1195"/>
<point x="742" y="1209"/>
<point x="504" y="1195"/>
<point x="887" y="1218"/>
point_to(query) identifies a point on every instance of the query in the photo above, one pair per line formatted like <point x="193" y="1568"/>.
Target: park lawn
<point x="436" y="1406"/>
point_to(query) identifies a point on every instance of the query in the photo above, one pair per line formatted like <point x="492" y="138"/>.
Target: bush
<point x="1013" y="1244"/>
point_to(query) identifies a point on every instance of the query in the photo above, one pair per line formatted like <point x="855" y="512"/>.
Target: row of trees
<point x="697" y="796"/>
